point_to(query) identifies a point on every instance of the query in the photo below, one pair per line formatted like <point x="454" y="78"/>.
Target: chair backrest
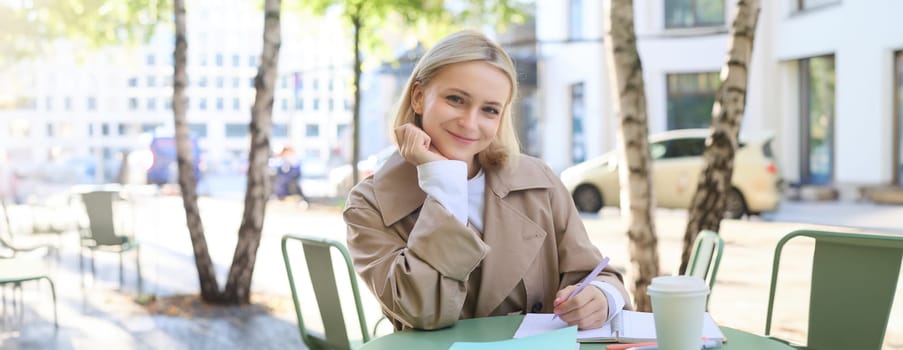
<point x="317" y="254"/>
<point x="854" y="278"/>
<point x="102" y="225"/>
<point x="705" y="258"/>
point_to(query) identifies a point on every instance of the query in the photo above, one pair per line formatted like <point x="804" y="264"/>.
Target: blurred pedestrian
<point x="287" y="179"/>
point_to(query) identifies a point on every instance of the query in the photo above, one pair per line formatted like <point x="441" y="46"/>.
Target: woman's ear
<point x="417" y="97"/>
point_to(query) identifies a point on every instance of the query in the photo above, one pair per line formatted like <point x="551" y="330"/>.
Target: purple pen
<point x="586" y="281"/>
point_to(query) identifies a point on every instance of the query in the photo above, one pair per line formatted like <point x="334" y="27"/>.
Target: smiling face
<point x="462" y="108"/>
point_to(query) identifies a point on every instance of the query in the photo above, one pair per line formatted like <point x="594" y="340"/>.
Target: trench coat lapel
<point x="396" y="190"/>
<point x="514" y="238"/>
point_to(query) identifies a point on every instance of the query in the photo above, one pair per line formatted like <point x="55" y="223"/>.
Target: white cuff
<point x="446" y="181"/>
<point x="615" y="300"/>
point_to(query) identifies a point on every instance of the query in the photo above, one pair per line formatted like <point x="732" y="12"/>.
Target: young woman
<point x="458" y="224"/>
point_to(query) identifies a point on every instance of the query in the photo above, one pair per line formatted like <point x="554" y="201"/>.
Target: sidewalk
<point x="103" y="317"/>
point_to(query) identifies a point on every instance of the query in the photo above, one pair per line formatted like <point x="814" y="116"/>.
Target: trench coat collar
<point x="398" y="193"/>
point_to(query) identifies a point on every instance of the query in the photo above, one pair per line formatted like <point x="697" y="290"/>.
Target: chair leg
<point x="138" y="267"/>
<point x="56" y="322"/>
<point x="120" y="270"/>
<point x="93" y="270"/>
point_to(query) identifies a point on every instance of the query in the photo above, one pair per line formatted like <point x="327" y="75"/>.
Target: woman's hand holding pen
<point x="414" y="145"/>
<point x="588" y="309"/>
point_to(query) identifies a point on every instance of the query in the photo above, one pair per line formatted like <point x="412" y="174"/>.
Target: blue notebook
<point x="564" y="338"/>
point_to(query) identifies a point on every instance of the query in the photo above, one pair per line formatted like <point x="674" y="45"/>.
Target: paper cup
<point x="678" y="306"/>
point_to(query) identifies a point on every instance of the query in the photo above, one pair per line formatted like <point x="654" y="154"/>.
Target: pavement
<point x="100" y="314"/>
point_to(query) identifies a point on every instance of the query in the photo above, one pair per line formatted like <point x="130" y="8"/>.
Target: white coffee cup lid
<point x="678" y="284"/>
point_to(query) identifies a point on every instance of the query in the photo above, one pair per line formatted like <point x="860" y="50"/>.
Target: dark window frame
<point x="805" y="124"/>
<point x="898" y="118"/>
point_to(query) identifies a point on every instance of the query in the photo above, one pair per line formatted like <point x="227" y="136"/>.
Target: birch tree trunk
<point x="626" y="74"/>
<point x="238" y="284"/>
<point x="185" y="160"/>
<point x="708" y="204"/>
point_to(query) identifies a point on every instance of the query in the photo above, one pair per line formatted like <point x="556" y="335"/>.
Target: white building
<point x="826" y="78"/>
<point x="73" y="110"/>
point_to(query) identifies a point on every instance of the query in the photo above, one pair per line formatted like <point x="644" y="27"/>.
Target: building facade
<point x="90" y="110"/>
<point x="825" y="78"/>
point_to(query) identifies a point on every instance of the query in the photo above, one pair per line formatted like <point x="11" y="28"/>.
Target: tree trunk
<point x="626" y="74"/>
<point x="356" y="118"/>
<point x="707" y="207"/>
<point x="185" y="159"/>
<point x="238" y="285"/>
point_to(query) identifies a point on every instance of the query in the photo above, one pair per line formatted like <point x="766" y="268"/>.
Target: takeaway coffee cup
<point x="678" y="306"/>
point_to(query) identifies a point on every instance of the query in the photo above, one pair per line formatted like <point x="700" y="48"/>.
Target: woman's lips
<point x="462" y="139"/>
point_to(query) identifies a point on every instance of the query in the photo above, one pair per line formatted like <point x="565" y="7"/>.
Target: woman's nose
<point x="469" y="120"/>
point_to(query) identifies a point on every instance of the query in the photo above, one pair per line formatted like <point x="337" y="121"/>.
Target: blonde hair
<point x="467" y="46"/>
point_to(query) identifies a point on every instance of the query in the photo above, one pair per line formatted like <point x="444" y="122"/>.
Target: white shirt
<point x="446" y="181"/>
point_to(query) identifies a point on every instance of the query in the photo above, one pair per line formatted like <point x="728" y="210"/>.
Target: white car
<point x="340" y="177"/>
<point x="677" y="163"/>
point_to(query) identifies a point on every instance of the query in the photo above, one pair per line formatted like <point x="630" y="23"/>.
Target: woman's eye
<point x="455" y="99"/>
<point x="491" y="110"/>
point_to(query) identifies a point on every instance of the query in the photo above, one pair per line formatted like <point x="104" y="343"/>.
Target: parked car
<point x="676" y="163"/>
<point x="340" y="176"/>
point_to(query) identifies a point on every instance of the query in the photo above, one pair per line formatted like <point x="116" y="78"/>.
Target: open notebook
<point x="626" y="327"/>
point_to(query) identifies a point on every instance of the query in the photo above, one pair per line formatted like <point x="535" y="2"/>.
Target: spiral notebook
<point x="626" y="327"/>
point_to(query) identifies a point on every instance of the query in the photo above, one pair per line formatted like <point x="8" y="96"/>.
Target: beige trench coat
<point x="418" y="259"/>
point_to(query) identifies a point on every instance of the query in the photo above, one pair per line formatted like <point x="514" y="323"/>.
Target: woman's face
<point x="462" y="107"/>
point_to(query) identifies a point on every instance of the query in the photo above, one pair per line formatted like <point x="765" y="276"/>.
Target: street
<point x="739" y="298"/>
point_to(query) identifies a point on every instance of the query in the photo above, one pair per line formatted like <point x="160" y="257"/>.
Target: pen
<point x="586" y="281"/>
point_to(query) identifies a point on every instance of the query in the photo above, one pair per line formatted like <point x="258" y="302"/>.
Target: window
<point x="299" y="82"/>
<point x="575" y="19"/>
<point x="67" y="103"/>
<point x="202" y="82"/>
<point x="898" y="92"/>
<point x="50" y="130"/>
<point x="48" y="103"/>
<point x="690" y="99"/>
<point x="148" y="127"/>
<point x="198" y="129"/>
<point x="578" y="109"/>
<point x="105" y="129"/>
<point x="169" y="103"/>
<point x="316" y="84"/>
<point x="330" y="85"/>
<point x="236" y="81"/>
<point x="679" y="148"/>
<point x="283" y="82"/>
<point x="694" y="13"/>
<point x="342" y="131"/>
<point x="220" y="82"/>
<point x="280" y="130"/>
<point x="252" y="61"/>
<point x="331" y="105"/>
<point x="133" y="103"/>
<point x="219" y="60"/>
<point x="299" y="104"/>
<point x="220" y="104"/>
<point x="236" y="103"/>
<point x="202" y="104"/>
<point x="236" y="60"/>
<point x="151" y="104"/>
<point x="312" y="130"/>
<point x="803" y="5"/>
<point x="26" y="103"/>
<point x="316" y="104"/>
<point x="92" y="103"/>
<point x="133" y="82"/>
<point x="347" y="105"/>
<point x="122" y="128"/>
<point x="236" y="130"/>
<point x="284" y="104"/>
<point x="151" y="81"/>
<point x="817" y="118"/>
<point x="151" y="59"/>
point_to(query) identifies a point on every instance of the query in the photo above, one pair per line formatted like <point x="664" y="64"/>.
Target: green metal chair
<point x="102" y="233"/>
<point x="317" y="254"/>
<point x="854" y="278"/>
<point x="16" y="271"/>
<point x="705" y="258"/>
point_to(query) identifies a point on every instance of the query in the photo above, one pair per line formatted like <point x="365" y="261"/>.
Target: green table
<point x="503" y="327"/>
